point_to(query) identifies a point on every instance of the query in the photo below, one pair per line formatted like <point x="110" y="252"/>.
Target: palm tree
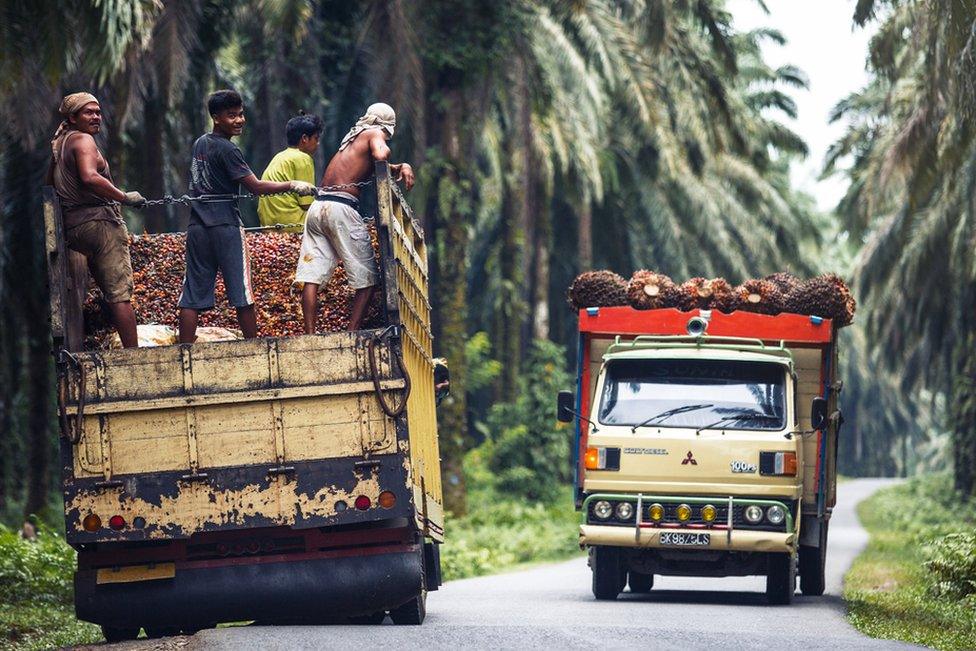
<point x="913" y="180"/>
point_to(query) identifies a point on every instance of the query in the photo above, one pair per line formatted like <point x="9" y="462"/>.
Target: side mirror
<point x="818" y="413"/>
<point x="564" y="407"/>
<point x="442" y="380"/>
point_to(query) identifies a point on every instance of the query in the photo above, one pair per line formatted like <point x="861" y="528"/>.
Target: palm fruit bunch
<point x="597" y="289"/>
<point x="648" y="290"/>
<point x="724" y="296"/>
<point x="785" y="282"/>
<point x="826" y="295"/>
<point x="761" y="296"/>
<point x="158" y="264"/>
<point x="704" y="293"/>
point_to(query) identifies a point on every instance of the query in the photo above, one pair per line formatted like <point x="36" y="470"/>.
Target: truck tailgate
<point x="230" y="435"/>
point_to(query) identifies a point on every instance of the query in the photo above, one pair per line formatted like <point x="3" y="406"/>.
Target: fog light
<point x="387" y="499"/>
<point x="117" y="522"/>
<point x="625" y="510"/>
<point x="362" y="502"/>
<point x="684" y="512"/>
<point x="602" y="509"/>
<point x="139" y="522"/>
<point x="708" y="513"/>
<point x="91" y="522"/>
<point x="341" y="506"/>
<point x="776" y="514"/>
<point x="753" y="514"/>
<point x="656" y="512"/>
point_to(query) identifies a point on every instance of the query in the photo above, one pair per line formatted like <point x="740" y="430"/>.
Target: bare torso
<point x="354" y="163"/>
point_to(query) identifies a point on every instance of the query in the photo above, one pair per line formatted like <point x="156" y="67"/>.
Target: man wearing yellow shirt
<point x="292" y="164"/>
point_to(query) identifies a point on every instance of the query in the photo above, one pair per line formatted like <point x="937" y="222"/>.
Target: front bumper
<point x="724" y="534"/>
<point x="645" y="538"/>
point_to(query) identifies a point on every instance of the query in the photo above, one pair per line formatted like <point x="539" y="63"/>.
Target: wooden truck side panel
<point x="405" y="272"/>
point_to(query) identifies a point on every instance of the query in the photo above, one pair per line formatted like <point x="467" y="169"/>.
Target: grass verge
<point x="36" y="607"/>
<point x="916" y="581"/>
<point x="500" y="531"/>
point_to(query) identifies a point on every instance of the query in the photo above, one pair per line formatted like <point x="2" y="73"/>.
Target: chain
<point x="212" y="198"/>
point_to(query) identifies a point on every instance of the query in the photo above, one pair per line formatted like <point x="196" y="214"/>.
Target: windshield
<point x="694" y="393"/>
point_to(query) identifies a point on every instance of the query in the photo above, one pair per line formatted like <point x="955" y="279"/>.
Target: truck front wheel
<point x="780" y="579"/>
<point x="608" y="576"/>
<point x="640" y="583"/>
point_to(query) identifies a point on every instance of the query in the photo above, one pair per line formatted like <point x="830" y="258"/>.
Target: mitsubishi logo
<point x="689" y="458"/>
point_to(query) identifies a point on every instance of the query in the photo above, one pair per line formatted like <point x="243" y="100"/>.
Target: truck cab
<point x="704" y="446"/>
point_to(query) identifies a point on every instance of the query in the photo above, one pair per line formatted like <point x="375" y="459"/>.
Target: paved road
<point x="551" y="606"/>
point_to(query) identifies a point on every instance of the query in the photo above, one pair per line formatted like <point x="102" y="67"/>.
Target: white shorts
<point x="333" y="232"/>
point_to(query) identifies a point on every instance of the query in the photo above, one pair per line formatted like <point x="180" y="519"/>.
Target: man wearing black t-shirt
<point x="215" y="234"/>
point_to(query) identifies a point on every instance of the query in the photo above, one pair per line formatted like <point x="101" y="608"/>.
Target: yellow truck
<point x="706" y="446"/>
<point x="277" y="479"/>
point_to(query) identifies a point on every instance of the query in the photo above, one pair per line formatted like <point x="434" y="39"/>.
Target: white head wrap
<point x="378" y="116"/>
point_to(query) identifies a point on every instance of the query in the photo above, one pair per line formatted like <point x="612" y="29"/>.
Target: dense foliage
<point x="909" y="206"/>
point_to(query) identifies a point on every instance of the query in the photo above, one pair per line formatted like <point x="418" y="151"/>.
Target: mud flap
<point x="432" y="566"/>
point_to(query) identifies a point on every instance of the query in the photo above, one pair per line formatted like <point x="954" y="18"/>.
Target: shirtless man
<point x="90" y="201"/>
<point x="333" y="228"/>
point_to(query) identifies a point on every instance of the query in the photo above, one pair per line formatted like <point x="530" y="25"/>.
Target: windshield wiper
<point x="669" y="413"/>
<point x="746" y="416"/>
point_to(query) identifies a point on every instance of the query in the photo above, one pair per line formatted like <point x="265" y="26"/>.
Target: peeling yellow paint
<point x="196" y="506"/>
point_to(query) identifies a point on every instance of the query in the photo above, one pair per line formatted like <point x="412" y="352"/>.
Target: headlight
<point x="776" y="514"/>
<point x="684" y="512"/>
<point x="625" y="510"/>
<point x="656" y="512"/>
<point x="753" y="514"/>
<point x="602" y="509"/>
<point x="708" y="513"/>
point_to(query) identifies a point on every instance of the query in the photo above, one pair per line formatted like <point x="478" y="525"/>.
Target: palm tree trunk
<point x="153" y="167"/>
<point x="448" y="290"/>
<point x="543" y="246"/>
<point x="964" y="417"/>
<point x="584" y="240"/>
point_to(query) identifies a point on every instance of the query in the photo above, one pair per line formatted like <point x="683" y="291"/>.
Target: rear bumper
<point x="310" y="589"/>
<point x="649" y="538"/>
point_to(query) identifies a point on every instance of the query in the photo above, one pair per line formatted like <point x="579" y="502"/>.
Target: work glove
<point x="134" y="199"/>
<point x="303" y="189"/>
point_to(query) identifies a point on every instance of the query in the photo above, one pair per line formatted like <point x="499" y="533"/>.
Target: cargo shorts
<point x="210" y="249"/>
<point x="106" y="246"/>
<point x="333" y="232"/>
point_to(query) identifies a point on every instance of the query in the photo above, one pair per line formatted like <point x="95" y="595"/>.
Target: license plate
<point x="677" y="539"/>
<point x="134" y="573"/>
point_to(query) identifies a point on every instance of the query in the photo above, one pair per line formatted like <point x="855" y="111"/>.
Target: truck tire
<point x="371" y="619"/>
<point x="780" y="579"/>
<point x="411" y="613"/>
<point x="119" y="634"/>
<point x="608" y="576"/>
<point x="813" y="563"/>
<point x="640" y="583"/>
<point x="154" y="632"/>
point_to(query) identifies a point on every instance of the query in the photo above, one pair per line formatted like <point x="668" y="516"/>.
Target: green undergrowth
<point x="916" y="581"/>
<point x="500" y="531"/>
<point x="36" y="607"/>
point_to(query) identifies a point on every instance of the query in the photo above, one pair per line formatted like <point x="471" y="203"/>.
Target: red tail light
<point x="117" y="522"/>
<point x="362" y="502"/>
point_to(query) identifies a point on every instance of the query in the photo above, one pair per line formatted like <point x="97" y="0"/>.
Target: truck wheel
<point x="640" y="583"/>
<point x="119" y="634"/>
<point x="608" y="577"/>
<point x="371" y="619"/>
<point x="813" y="563"/>
<point x="780" y="579"/>
<point x="412" y="612"/>
<point x="153" y="632"/>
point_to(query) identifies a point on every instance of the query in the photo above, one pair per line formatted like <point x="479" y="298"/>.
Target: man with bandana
<point x="333" y="228"/>
<point x="90" y="207"/>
